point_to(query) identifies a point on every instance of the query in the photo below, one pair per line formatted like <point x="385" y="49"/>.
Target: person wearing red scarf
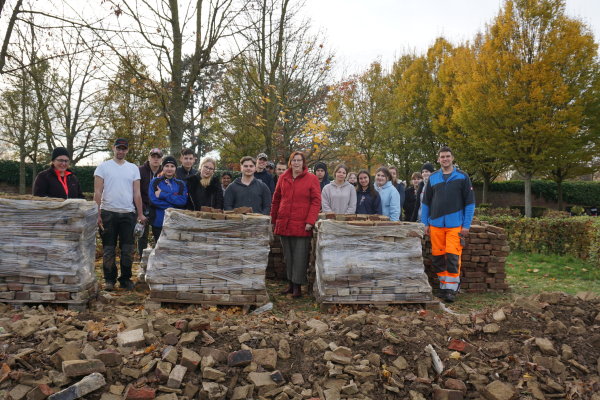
<point x="58" y="181"/>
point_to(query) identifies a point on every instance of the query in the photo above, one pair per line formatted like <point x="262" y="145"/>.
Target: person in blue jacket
<point x="367" y="198"/>
<point x="165" y="191"/>
<point x="390" y="198"/>
<point x="447" y="212"/>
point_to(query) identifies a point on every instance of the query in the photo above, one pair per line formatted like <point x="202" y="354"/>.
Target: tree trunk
<point x="559" y="194"/>
<point x="22" y="172"/>
<point x="527" y="181"/>
<point x="486" y="187"/>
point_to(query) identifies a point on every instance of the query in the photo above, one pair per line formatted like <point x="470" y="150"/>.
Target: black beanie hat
<point x="428" y="167"/>
<point x="169" y="160"/>
<point x="60" y="151"/>
<point x="320" y="165"/>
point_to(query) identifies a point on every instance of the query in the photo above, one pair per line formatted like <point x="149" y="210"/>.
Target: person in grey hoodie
<point x="339" y="196"/>
<point x="248" y="191"/>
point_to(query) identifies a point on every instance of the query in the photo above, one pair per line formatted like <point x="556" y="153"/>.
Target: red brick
<point x="143" y="393"/>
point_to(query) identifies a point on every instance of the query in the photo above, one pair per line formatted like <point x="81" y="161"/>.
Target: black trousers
<point x="118" y="227"/>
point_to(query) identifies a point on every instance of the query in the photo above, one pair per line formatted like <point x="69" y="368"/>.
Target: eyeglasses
<point x="62" y="160"/>
<point x="208" y="168"/>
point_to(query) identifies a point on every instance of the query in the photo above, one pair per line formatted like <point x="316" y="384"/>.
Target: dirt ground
<point x="541" y="347"/>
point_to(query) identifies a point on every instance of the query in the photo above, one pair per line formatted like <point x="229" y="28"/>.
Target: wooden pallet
<point x="73" y="305"/>
<point x="155" y="304"/>
<point x="326" y="306"/>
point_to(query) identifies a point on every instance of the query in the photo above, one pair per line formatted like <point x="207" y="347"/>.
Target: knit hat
<point x="428" y="167"/>
<point x="320" y="165"/>
<point x="60" y="151"/>
<point x="169" y="160"/>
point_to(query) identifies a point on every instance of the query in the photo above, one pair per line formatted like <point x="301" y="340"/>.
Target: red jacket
<point x="296" y="202"/>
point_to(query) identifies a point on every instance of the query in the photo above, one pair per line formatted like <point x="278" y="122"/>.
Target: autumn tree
<point x="358" y="108"/>
<point x="532" y="84"/>
<point x="132" y="111"/>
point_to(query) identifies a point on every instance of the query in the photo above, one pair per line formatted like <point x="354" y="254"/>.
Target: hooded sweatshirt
<point x="325" y="181"/>
<point x="256" y="195"/>
<point x="339" y="199"/>
<point x="390" y="201"/>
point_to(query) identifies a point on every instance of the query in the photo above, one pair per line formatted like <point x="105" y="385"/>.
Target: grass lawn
<point x="529" y="274"/>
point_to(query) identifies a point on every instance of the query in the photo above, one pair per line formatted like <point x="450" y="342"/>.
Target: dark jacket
<point x="181" y="173"/>
<point x="296" y="202"/>
<point x="146" y="176"/>
<point x="256" y="195"/>
<point x="448" y="203"/>
<point x="173" y="194"/>
<point x="415" y="213"/>
<point x="401" y="189"/>
<point x="366" y="203"/>
<point x="410" y="199"/>
<point x="199" y="196"/>
<point x="266" y="178"/>
<point x="326" y="181"/>
<point x="47" y="185"/>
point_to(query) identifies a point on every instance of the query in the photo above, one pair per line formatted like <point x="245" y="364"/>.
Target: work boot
<point x="289" y="289"/>
<point x="297" y="292"/>
<point x="450" y="296"/>
<point x="127" y="285"/>
<point x="439" y="293"/>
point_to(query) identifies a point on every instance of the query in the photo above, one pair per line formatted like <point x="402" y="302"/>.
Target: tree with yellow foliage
<point x="530" y="85"/>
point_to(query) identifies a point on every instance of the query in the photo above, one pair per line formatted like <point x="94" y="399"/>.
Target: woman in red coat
<point x="294" y="211"/>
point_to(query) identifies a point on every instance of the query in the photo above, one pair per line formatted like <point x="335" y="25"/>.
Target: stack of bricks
<point x="483" y="260"/>
<point x="276" y="265"/>
<point x="210" y="257"/>
<point x="48" y="249"/>
<point x="366" y="260"/>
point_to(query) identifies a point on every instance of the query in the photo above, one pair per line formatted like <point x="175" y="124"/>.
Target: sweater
<point x="390" y="201"/>
<point x="266" y="178"/>
<point x="339" y="199"/>
<point x="368" y="204"/>
<point x="256" y="195"/>
<point x="198" y="195"/>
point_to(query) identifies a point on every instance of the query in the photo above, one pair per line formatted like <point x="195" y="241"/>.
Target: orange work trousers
<point x="446" y="250"/>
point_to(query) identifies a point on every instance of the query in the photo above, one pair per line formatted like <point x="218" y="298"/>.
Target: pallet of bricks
<point x="210" y="257"/>
<point x="276" y="265"/>
<point x="361" y="261"/>
<point x="483" y="259"/>
<point x="48" y="249"/>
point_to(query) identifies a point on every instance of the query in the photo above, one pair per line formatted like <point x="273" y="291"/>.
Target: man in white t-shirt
<point x="117" y="193"/>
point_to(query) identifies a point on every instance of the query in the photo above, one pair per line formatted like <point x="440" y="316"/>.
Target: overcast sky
<point x="362" y="31"/>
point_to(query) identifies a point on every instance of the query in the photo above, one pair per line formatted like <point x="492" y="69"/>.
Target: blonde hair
<point x="206" y="159"/>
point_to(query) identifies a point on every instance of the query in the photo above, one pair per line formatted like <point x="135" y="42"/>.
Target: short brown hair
<point x="248" y="158"/>
<point x="416" y="175"/>
<point x="187" y="152"/>
<point x="294" y="154"/>
<point x="445" y="149"/>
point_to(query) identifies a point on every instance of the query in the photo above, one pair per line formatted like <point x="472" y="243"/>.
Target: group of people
<point x="125" y="193"/>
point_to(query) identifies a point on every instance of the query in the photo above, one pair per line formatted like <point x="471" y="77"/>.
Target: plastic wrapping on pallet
<point x="204" y="257"/>
<point x="370" y="262"/>
<point x="48" y="248"/>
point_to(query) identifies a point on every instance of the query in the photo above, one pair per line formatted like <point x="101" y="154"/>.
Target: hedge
<point x="575" y="236"/>
<point x="581" y="193"/>
<point x="9" y="173"/>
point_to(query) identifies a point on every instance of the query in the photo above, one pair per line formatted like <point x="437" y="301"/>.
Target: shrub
<point x="575" y="236"/>
<point x="496" y="211"/>
<point x="536" y="212"/>
<point x="581" y="193"/>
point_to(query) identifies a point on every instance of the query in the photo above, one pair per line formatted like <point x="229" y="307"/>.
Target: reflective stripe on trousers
<point x="446" y="250"/>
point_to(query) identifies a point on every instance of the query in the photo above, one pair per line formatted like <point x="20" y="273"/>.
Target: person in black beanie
<point x="320" y="169"/>
<point x="58" y="181"/>
<point x="426" y="170"/>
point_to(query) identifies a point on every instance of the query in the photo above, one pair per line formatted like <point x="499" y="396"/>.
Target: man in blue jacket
<point x="447" y="211"/>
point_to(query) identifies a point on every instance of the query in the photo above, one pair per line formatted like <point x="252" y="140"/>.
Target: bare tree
<point x="164" y="30"/>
